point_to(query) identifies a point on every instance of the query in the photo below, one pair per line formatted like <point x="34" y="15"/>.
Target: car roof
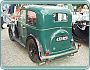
<point x="47" y="8"/>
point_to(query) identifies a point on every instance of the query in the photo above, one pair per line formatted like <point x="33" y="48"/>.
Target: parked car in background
<point x="80" y="29"/>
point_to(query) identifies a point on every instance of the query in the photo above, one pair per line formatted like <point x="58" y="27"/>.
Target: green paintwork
<point x="46" y="30"/>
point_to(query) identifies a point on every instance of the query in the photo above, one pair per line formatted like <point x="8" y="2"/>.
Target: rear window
<point x="59" y="17"/>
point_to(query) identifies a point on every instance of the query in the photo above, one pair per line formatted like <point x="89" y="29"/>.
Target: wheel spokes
<point x="32" y="51"/>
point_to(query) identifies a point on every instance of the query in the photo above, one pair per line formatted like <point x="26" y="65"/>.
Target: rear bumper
<point x="61" y="54"/>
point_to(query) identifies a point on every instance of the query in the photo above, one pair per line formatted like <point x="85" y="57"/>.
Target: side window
<point x="23" y="16"/>
<point x="31" y="18"/>
<point x="59" y="17"/>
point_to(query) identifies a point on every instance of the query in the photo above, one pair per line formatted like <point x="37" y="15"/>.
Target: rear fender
<point x="40" y="48"/>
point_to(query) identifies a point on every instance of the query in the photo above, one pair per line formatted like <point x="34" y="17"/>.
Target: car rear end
<point x="58" y="34"/>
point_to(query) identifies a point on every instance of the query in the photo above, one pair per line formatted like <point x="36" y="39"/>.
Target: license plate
<point x="61" y="38"/>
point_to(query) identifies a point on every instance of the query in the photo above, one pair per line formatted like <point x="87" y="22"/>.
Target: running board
<point x="19" y="41"/>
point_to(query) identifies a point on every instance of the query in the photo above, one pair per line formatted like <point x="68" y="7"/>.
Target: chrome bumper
<point x="57" y="55"/>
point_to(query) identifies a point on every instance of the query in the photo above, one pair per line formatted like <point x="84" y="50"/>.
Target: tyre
<point x="11" y="34"/>
<point x="33" y="50"/>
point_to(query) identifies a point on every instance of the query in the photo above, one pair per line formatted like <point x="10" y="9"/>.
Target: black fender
<point x="40" y="48"/>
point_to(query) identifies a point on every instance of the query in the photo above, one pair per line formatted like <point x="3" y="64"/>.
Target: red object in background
<point x="9" y="15"/>
<point x="17" y="16"/>
<point x="17" y="11"/>
<point x="81" y="8"/>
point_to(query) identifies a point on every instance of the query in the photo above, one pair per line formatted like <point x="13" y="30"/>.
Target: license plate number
<point x="61" y="38"/>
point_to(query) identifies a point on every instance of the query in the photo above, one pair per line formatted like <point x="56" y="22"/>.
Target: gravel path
<point x="13" y="54"/>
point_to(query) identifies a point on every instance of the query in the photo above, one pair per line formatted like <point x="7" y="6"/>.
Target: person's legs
<point x="6" y="12"/>
<point x="83" y="17"/>
<point x="13" y="28"/>
<point x="4" y="16"/>
<point x="2" y="22"/>
<point x="75" y="11"/>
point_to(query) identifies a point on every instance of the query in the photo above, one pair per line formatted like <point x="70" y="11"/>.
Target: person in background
<point x="85" y="12"/>
<point x="12" y="9"/>
<point x="80" y="9"/>
<point x="3" y="14"/>
<point x="59" y="5"/>
<point x="2" y="19"/>
<point x="55" y="4"/>
<point x="9" y="9"/>
<point x="75" y="9"/>
<point x="62" y="5"/>
<point x="5" y="10"/>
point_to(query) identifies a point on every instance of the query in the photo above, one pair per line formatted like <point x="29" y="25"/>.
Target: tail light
<point x="79" y="45"/>
<point x="47" y="53"/>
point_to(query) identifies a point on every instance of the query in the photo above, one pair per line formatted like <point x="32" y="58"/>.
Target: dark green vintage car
<point x="45" y="30"/>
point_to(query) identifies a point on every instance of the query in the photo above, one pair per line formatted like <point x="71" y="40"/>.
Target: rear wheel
<point x="33" y="50"/>
<point x="11" y="35"/>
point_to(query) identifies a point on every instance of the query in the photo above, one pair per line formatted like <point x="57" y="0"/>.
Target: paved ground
<point x="13" y="54"/>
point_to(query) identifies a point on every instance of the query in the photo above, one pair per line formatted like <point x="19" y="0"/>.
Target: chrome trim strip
<point x="47" y="57"/>
<point x="45" y="29"/>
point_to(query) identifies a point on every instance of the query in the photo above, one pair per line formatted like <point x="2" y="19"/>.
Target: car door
<point x="22" y="24"/>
